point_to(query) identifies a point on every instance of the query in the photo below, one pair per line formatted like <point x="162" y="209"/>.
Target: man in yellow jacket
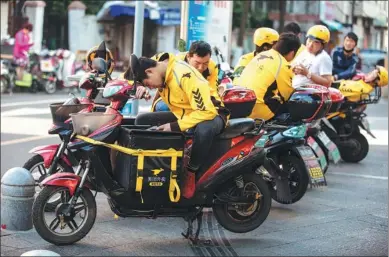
<point x="188" y="96"/>
<point x="263" y="39"/>
<point x="198" y="56"/>
<point x="270" y="76"/>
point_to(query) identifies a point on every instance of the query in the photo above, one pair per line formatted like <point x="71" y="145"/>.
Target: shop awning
<point x="333" y="25"/>
<point x="380" y="22"/>
<point x="161" y="15"/>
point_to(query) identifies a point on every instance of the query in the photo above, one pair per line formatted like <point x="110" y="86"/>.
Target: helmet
<point x="382" y="76"/>
<point x="319" y="32"/>
<point x="265" y="35"/>
<point x="108" y="58"/>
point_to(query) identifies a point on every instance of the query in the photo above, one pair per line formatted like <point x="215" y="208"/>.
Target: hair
<point x="201" y="48"/>
<point x="353" y="36"/>
<point x="144" y="64"/>
<point x="259" y="49"/>
<point x="28" y="26"/>
<point x="287" y="42"/>
<point x="292" y="27"/>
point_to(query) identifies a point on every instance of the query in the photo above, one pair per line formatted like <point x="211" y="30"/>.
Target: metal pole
<point x="352" y="14"/>
<point x="138" y="41"/>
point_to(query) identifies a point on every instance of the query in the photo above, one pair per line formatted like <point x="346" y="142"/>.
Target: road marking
<point x="25" y="111"/>
<point x="359" y="175"/>
<point x="23" y="103"/>
<point x="24" y="140"/>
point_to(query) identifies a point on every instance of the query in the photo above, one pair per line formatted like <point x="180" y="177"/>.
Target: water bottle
<point x="126" y="110"/>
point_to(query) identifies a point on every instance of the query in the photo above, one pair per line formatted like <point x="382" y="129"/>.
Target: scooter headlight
<point x="295" y="132"/>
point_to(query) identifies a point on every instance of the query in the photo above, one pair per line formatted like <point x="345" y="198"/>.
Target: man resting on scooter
<point x="188" y="96"/>
<point x="198" y="56"/>
<point x="270" y="76"/>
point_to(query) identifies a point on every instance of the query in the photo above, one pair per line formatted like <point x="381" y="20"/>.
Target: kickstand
<point x="189" y="232"/>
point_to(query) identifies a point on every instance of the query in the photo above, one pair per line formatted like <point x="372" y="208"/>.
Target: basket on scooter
<point x="150" y="182"/>
<point x="86" y="123"/>
<point x="60" y="113"/>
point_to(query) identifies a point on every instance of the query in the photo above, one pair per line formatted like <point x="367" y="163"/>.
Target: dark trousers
<point x="203" y="134"/>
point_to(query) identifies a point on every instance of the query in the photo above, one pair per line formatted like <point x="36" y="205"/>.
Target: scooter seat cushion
<point x="236" y="127"/>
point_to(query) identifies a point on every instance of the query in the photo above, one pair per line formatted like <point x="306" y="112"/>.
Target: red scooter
<point x="143" y="180"/>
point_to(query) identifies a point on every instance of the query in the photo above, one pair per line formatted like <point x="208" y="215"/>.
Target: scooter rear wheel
<point x="235" y="219"/>
<point x="355" y="148"/>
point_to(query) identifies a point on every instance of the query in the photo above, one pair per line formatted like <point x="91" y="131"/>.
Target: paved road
<point x="349" y="217"/>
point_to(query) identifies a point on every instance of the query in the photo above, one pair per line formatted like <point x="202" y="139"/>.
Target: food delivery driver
<point x="269" y="74"/>
<point x="263" y="39"/>
<point x="199" y="57"/>
<point x="187" y="94"/>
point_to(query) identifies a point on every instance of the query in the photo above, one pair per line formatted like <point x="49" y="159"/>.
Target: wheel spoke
<point x="72" y="225"/>
<point x="42" y="172"/>
<point x="79" y="207"/>
<point x="54" y="224"/>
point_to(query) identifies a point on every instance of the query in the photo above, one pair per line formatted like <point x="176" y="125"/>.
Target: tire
<point x="34" y="86"/>
<point x="38" y="211"/>
<point x="354" y="154"/>
<point x="300" y="174"/>
<point x="260" y="214"/>
<point x="50" y="87"/>
<point x="4" y="85"/>
<point x="35" y="161"/>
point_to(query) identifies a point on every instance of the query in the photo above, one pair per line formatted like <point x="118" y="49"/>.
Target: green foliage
<point x="59" y="8"/>
<point x="255" y="18"/>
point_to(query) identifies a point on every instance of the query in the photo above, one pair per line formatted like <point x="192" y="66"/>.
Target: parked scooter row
<point x="47" y="72"/>
<point x="140" y="169"/>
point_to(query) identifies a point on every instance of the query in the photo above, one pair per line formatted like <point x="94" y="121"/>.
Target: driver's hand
<point x="142" y="92"/>
<point x="165" y="127"/>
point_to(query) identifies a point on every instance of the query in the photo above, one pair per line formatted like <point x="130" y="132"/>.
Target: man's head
<point x="317" y="37"/>
<point x="150" y="72"/>
<point x="350" y="42"/>
<point x="264" y="39"/>
<point x="199" y="55"/>
<point x="294" y="28"/>
<point x="28" y="27"/>
<point x="287" y="45"/>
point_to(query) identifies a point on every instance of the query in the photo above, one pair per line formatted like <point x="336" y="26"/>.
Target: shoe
<point x="189" y="184"/>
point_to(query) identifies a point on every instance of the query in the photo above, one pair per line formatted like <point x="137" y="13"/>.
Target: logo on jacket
<point x="199" y="100"/>
<point x="262" y="56"/>
<point x="186" y="75"/>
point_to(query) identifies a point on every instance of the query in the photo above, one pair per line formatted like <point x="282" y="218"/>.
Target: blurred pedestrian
<point x="295" y="29"/>
<point x="23" y="43"/>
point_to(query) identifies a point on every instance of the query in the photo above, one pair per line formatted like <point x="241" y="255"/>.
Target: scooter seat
<point x="236" y="127"/>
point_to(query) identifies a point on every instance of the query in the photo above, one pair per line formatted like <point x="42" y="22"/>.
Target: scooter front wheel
<point x="243" y="218"/>
<point x="50" y="87"/>
<point x="68" y="224"/>
<point x="4" y="85"/>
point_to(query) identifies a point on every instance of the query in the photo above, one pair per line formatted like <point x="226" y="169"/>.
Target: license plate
<point x="313" y="166"/>
<point x="318" y="151"/>
<point x="333" y="151"/>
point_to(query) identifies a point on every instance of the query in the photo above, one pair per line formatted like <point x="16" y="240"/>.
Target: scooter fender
<point x="48" y="152"/>
<point x="63" y="179"/>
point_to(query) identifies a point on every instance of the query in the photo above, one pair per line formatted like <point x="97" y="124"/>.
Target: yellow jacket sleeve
<point x="199" y="95"/>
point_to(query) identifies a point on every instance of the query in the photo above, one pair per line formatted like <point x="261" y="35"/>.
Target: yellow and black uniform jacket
<point x="187" y="95"/>
<point x="243" y="61"/>
<point x="215" y="98"/>
<point x="270" y="76"/>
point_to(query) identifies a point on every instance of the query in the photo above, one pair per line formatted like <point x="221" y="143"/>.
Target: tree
<point x="243" y="22"/>
<point x="282" y="9"/>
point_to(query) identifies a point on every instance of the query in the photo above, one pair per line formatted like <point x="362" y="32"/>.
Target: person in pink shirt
<point x="21" y="47"/>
